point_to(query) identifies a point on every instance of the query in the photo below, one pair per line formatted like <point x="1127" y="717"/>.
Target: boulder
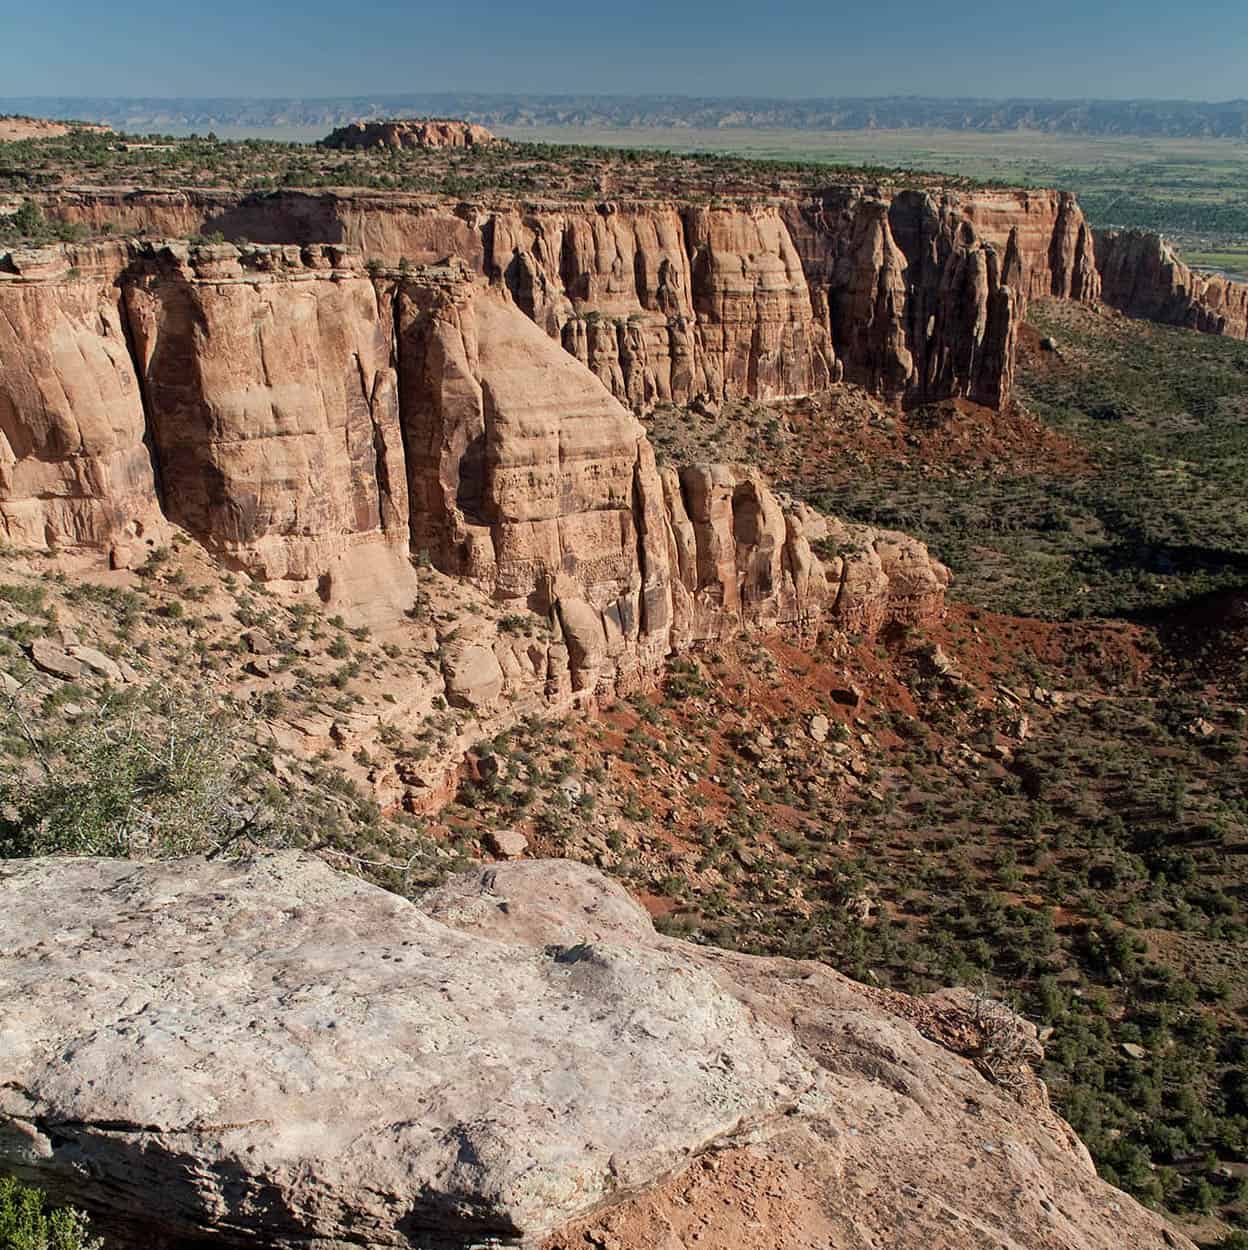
<point x="280" y="1053"/>
<point x="258" y="643"/>
<point x="507" y="843"/>
<point x="97" y="661"/>
<point x="473" y="675"/>
<point x="269" y="1052"/>
<point x="48" y="658"/>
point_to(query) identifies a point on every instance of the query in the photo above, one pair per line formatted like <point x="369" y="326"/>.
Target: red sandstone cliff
<point x="1141" y="275"/>
<point x="916" y="295"/>
<point x="319" y="427"/>
<point x="272" y="398"/>
<point x="925" y="293"/>
<point x="666" y="303"/>
<point x="74" y="470"/>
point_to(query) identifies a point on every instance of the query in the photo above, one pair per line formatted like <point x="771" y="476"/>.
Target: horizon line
<point x="1238" y="101"/>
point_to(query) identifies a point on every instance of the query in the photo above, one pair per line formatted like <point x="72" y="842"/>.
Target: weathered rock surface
<point x="48" y="658"/>
<point x="925" y="293"/>
<point x="665" y="303"/>
<point x="528" y="477"/>
<point x="1142" y="276"/>
<point x="270" y="384"/>
<point x="915" y="294"/>
<point x="74" y="468"/>
<point x="269" y="1052"/>
<point x="740" y="555"/>
<point x="414" y="132"/>
<point x="319" y="426"/>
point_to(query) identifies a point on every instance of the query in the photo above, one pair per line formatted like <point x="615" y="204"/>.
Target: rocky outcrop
<point x="271" y="391"/>
<point x="414" y="132"/>
<point x="666" y="303"/>
<point x="267" y="1052"/>
<point x="1053" y="240"/>
<point x="917" y="295"/>
<point x="742" y="556"/>
<point x="925" y="293"/>
<point x="528" y="477"/>
<point x="75" y="468"/>
<point x="322" y="427"/>
<point x="1142" y="276"/>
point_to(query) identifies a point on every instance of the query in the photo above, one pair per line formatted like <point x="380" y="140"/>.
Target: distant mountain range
<point x="1148" y="118"/>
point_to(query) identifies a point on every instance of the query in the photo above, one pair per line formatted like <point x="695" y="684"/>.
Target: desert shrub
<point x="27" y="598"/>
<point x="26" y="1223"/>
<point x="152" y="776"/>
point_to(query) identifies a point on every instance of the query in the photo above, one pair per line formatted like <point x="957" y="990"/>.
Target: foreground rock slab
<point x="272" y="1053"/>
<point x="273" y="1049"/>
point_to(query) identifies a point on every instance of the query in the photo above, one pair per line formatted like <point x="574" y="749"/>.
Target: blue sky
<point x="1101" y="48"/>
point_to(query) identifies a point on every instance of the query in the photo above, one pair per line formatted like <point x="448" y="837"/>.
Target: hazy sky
<point x="1101" y="48"/>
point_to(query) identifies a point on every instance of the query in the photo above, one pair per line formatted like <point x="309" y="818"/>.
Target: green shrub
<point x="152" y="778"/>
<point x="27" y="1224"/>
<point x="28" y="220"/>
<point x="30" y="599"/>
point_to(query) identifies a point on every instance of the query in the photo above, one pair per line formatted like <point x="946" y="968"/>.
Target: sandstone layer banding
<point x="916" y="294"/>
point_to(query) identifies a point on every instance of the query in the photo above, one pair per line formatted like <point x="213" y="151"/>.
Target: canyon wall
<point x="320" y="427"/>
<point x="1142" y="276"/>
<point x="273" y="403"/>
<point x="74" y="466"/>
<point x="916" y="295"/>
<point x="666" y="304"/>
<point x="925" y="292"/>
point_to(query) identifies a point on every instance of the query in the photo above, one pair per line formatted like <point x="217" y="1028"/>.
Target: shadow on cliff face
<point x="470" y="496"/>
<point x="279" y="218"/>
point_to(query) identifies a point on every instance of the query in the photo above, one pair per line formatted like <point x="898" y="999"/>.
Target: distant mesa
<point x="411" y="132"/>
<point x="14" y="127"/>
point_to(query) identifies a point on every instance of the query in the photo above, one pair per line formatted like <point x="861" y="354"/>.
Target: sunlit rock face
<point x="1142" y="276"/>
